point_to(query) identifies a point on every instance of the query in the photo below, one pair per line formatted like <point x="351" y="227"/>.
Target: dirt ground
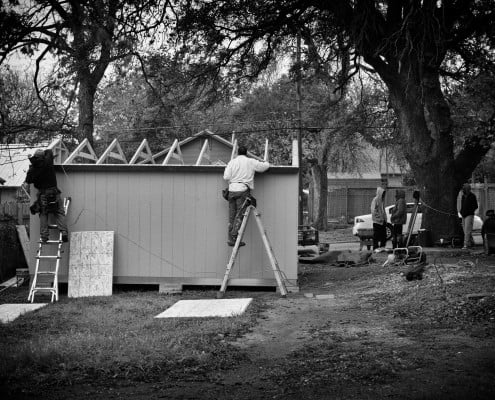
<point x="369" y="334"/>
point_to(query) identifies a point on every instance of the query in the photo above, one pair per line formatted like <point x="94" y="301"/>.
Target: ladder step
<point x="45" y="289"/>
<point x="52" y="241"/>
<point x="47" y="257"/>
<point x="46" y="273"/>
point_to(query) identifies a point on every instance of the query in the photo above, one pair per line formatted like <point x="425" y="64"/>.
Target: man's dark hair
<point x="242" y="150"/>
<point x="490" y="213"/>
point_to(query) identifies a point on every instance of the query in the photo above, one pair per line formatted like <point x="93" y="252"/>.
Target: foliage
<point x="24" y="115"/>
<point x="409" y="45"/>
<point x="83" y="37"/>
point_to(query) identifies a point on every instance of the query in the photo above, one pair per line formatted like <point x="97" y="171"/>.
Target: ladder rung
<point x="52" y="242"/>
<point x="52" y="257"/>
<point x="52" y="226"/>
<point x="48" y="289"/>
<point x="46" y="273"/>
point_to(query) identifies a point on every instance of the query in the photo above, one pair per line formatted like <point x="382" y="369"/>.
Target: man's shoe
<point x="232" y="244"/>
<point x="65" y="237"/>
<point x="43" y="239"/>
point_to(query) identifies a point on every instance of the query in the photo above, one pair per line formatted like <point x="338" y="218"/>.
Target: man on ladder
<point x="42" y="175"/>
<point x="240" y="174"/>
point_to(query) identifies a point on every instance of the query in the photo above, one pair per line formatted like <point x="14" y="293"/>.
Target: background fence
<point x="346" y="203"/>
<point x="16" y="210"/>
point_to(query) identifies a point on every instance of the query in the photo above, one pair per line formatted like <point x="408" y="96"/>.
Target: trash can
<point x="424" y="238"/>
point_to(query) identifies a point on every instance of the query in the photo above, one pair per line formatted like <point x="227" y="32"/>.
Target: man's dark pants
<point x="397" y="238"/>
<point x="379" y="235"/>
<point x="236" y="200"/>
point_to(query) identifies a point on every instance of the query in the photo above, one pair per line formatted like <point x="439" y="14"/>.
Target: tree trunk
<point x="320" y="195"/>
<point x="426" y="133"/>
<point x="86" y="99"/>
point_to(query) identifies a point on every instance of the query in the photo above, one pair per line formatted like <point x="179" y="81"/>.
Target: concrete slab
<point x="9" y="312"/>
<point x="9" y="283"/>
<point x="206" y="308"/>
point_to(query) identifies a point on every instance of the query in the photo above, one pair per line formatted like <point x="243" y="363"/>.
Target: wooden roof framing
<point x="78" y="152"/>
<point x="109" y="153"/>
<point x="143" y="154"/>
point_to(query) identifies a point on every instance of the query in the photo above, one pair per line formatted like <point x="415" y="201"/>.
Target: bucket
<point x="424" y="238"/>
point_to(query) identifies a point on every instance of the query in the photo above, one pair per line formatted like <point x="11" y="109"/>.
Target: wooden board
<point x="91" y="264"/>
<point x="23" y="238"/>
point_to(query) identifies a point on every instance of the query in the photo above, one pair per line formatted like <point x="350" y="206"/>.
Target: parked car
<point x="363" y="224"/>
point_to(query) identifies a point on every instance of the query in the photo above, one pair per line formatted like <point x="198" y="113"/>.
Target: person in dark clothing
<point x="488" y="232"/>
<point x="42" y="175"/>
<point x="468" y="206"/>
<point x="379" y="218"/>
<point x="398" y="218"/>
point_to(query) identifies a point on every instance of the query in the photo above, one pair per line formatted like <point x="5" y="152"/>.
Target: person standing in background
<point x="469" y="204"/>
<point x="398" y="218"/>
<point x="379" y="218"/>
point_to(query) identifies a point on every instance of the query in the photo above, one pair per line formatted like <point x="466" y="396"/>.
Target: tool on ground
<point x="248" y="207"/>
<point x="412" y="221"/>
<point x="45" y="278"/>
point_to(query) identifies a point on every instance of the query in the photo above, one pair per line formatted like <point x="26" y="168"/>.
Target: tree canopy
<point x="84" y="37"/>
<point x="410" y="44"/>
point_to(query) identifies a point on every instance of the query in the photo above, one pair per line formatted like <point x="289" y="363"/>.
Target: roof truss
<point x="79" y="152"/>
<point x="143" y="154"/>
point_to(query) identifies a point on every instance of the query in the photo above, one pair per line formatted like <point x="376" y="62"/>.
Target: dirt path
<point x="354" y="344"/>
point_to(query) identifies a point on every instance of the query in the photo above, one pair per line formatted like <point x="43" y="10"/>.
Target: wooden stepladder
<point x="273" y="261"/>
<point x="45" y="278"/>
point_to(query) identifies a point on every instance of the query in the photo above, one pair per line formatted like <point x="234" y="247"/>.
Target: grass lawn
<point x="112" y="337"/>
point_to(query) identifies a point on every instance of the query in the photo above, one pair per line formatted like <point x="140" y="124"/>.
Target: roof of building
<point x="210" y="135"/>
<point x="14" y="163"/>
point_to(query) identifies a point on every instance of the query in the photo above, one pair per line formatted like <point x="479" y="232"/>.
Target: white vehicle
<point x="364" y="223"/>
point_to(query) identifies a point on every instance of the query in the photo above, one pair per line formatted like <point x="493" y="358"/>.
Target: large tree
<point x="83" y="36"/>
<point x="409" y="44"/>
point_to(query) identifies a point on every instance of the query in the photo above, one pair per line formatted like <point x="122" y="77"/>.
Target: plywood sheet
<point x="91" y="263"/>
<point x="206" y="308"/>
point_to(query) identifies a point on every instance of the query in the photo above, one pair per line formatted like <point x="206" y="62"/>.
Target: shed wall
<point x="170" y="222"/>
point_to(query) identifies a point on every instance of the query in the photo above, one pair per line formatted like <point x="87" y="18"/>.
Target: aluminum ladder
<point x="45" y="278"/>
<point x="273" y="261"/>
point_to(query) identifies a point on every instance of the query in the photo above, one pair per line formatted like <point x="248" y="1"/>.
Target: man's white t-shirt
<point x="240" y="172"/>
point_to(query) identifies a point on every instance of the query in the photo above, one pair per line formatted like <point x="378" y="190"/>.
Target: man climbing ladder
<point x="240" y="174"/>
<point x="247" y="207"/>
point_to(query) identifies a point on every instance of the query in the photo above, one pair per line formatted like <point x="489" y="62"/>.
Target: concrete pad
<point x="206" y="308"/>
<point x="9" y="312"/>
<point x="9" y="283"/>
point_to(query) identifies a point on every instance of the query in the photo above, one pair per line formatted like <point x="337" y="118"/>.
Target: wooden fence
<point x="18" y="211"/>
<point x="346" y="203"/>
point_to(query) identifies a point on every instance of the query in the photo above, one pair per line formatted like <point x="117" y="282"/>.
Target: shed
<point x="170" y="220"/>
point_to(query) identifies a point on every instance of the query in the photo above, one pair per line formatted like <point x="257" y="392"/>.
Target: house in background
<point x="351" y="193"/>
<point x="14" y="164"/>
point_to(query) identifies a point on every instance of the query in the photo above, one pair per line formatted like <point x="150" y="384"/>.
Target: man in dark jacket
<point x="468" y="205"/>
<point x="398" y="218"/>
<point x="488" y="232"/>
<point x="42" y="175"/>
